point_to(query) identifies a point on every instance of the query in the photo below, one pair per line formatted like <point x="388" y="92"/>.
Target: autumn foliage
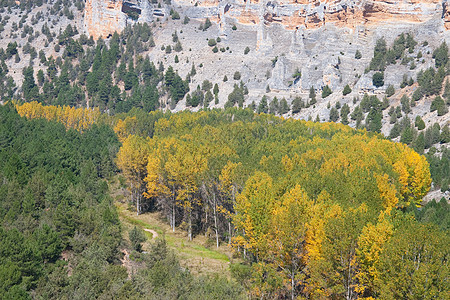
<point x="311" y="206"/>
<point x="75" y="118"/>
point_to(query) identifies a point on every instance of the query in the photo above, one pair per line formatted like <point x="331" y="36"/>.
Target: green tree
<point x="347" y="90"/>
<point x="345" y="110"/>
<point x="274" y="106"/>
<point x="419" y="123"/>
<point x="390" y="90"/>
<point x="413" y="264"/>
<point x="326" y="91"/>
<point x="263" y="107"/>
<point x="29" y="87"/>
<point x="137" y="237"/>
<point x="284" y="107"/>
<point x="297" y="105"/>
<point x="378" y="79"/>
<point x="334" y="114"/>
<point x="312" y="96"/>
<point x="440" y="55"/>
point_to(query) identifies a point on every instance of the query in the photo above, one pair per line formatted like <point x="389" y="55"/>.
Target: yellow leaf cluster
<point x="72" y="118"/>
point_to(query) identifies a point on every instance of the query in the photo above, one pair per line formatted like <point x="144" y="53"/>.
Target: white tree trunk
<point x="215" y="221"/>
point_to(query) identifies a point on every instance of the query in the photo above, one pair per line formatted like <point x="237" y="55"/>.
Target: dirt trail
<point x="154" y="233"/>
<point x="126" y="262"/>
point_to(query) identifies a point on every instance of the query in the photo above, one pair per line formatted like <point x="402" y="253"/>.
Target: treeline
<point x="316" y="210"/>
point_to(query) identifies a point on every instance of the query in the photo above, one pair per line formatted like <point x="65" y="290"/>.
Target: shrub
<point x="212" y="42"/>
<point x="419" y="123"/>
<point x="390" y="90"/>
<point x="378" y="79"/>
<point x="326" y="91"/>
<point x="347" y="90"/>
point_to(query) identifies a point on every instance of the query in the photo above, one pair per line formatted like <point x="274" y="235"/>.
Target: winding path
<point x="154" y="233"/>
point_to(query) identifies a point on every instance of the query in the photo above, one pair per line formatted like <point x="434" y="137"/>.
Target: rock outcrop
<point x="312" y="14"/>
<point x="446" y="15"/>
<point x="104" y="17"/>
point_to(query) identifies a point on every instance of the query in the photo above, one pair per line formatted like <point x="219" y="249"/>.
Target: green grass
<point x="185" y="248"/>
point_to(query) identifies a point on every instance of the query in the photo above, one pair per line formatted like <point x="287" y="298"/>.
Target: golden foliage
<point x="71" y="117"/>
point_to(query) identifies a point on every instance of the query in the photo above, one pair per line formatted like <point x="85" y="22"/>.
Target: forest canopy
<point x="310" y="206"/>
<point x="315" y="210"/>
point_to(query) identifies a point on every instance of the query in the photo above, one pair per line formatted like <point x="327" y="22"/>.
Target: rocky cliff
<point x="103" y="17"/>
<point x="311" y="14"/>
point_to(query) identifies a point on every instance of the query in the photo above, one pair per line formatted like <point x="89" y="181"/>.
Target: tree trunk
<point x="292" y="286"/>
<point x="229" y="232"/>
<point x="137" y="205"/>
<point x="245" y="249"/>
<point x="190" y="225"/>
<point x="206" y="222"/>
<point x="215" y="220"/>
<point x="173" y="217"/>
<point x="173" y="208"/>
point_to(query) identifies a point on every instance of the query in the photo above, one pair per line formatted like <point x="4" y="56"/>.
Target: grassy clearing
<point x="193" y="254"/>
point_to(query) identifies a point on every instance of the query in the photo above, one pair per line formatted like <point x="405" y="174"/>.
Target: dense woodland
<point x="59" y="231"/>
<point x="314" y="210"/>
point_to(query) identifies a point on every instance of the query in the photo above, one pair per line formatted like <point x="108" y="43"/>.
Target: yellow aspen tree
<point x="414" y="177"/>
<point x="228" y="185"/>
<point x="370" y="245"/>
<point x="75" y="118"/>
<point x="124" y="128"/>
<point x="321" y="212"/>
<point x="253" y="210"/>
<point x="132" y="159"/>
<point x="388" y="192"/>
<point x="287" y="236"/>
<point x="183" y="164"/>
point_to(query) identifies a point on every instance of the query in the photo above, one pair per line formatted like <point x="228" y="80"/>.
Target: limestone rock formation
<point x="104" y="17"/>
<point x="312" y="14"/>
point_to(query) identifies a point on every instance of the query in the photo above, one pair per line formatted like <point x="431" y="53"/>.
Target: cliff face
<point x="311" y="14"/>
<point x="103" y="17"/>
<point x="446" y="15"/>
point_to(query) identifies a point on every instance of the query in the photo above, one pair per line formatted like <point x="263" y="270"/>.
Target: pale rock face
<point x="312" y="14"/>
<point x="103" y="17"/>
